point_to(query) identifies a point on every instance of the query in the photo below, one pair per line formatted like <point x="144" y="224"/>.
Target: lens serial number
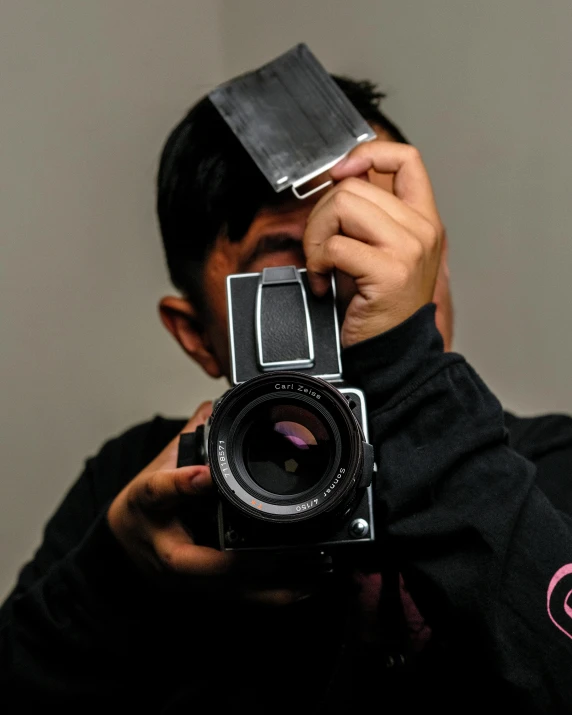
<point x="294" y="387"/>
<point x="223" y="462"/>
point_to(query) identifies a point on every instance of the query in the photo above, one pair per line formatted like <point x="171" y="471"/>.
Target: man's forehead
<point x="282" y="222"/>
<point x="284" y="212"/>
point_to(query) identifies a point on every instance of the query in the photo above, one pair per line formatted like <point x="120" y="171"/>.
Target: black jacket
<point x="475" y="512"/>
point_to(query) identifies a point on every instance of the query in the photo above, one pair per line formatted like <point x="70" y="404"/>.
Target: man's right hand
<point x="145" y="515"/>
<point x="145" y="519"/>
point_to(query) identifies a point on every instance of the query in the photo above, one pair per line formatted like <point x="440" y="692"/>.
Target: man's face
<point x="274" y="238"/>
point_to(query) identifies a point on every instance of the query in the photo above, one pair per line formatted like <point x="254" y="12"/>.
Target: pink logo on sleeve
<point x="559" y="599"/>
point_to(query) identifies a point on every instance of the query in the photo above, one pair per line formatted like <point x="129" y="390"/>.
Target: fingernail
<point x="200" y="478"/>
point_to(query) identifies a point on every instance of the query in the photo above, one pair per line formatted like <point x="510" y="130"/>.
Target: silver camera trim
<point x="264" y="282"/>
<point x="370" y="536"/>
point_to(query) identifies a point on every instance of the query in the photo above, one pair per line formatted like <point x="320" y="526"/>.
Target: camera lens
<point x="287" y="448"/>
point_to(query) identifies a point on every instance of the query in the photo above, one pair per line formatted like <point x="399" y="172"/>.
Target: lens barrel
<point x="286" y="448"/>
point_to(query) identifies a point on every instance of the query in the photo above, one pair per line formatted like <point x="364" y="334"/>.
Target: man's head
<point x="218" y="215"/>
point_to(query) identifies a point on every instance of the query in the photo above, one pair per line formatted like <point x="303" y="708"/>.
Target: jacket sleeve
<point x="485" y="554"/>
<point x="71" y="630"/>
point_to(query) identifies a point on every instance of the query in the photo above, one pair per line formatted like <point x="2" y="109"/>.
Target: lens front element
<point x="287" y="448"/>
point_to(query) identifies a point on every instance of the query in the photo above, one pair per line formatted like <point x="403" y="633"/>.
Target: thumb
<point x="167" y="489"/>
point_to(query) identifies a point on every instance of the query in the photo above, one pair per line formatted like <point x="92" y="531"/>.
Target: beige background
<point x="88" y="92"/>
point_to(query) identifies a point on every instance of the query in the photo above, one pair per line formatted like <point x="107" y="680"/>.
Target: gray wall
<point x="89" y="91"/>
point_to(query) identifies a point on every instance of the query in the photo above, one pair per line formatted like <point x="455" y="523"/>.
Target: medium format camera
<point x="287" y="444"/>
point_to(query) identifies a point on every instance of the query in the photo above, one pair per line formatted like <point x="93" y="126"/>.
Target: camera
<point x="287" y="443"/>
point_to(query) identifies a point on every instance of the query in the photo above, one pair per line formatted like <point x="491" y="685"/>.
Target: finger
<point x="178" y="553"/>
<point x="402" y="213"/>
<point x="411" y="181"/>
<point x="349" y="255"/>
<point x="165" y="489"/>
<point x="352" y="215"/>
<point x="347" y="215"/>
<point x="369" y="266"/>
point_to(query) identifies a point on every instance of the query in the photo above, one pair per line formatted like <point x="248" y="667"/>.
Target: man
<point x="121" y="610"/>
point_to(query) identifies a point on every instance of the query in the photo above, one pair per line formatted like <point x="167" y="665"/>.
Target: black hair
<point x="207" y="183"/>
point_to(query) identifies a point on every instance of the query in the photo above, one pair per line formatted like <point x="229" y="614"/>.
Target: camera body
<point x="287" y="444"/>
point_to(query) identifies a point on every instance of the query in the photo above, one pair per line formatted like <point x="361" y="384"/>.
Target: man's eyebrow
<point x="272" y="243"/>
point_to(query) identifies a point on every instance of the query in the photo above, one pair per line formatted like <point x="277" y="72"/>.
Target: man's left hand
<point x="388" y="243"/>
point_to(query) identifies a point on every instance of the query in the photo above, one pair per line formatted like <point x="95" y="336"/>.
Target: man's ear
<point x="182" y="320"/>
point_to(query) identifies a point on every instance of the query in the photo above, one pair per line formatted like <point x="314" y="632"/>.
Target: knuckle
<point x="169" y="558"/>
<point x="401" y="274"/>
<point x="430" y="235"/>
<point x="341" y="200"/>
<point x="334" y="247"/>
<point x="132" y="501"/>
<point x="351" y="185"/>
<point x="416" y="251"/>
<point x="168" y="561"/>
<point x="413" y="153"/>
<point x="426" y="231"/>
<point x="150" y="489"/>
